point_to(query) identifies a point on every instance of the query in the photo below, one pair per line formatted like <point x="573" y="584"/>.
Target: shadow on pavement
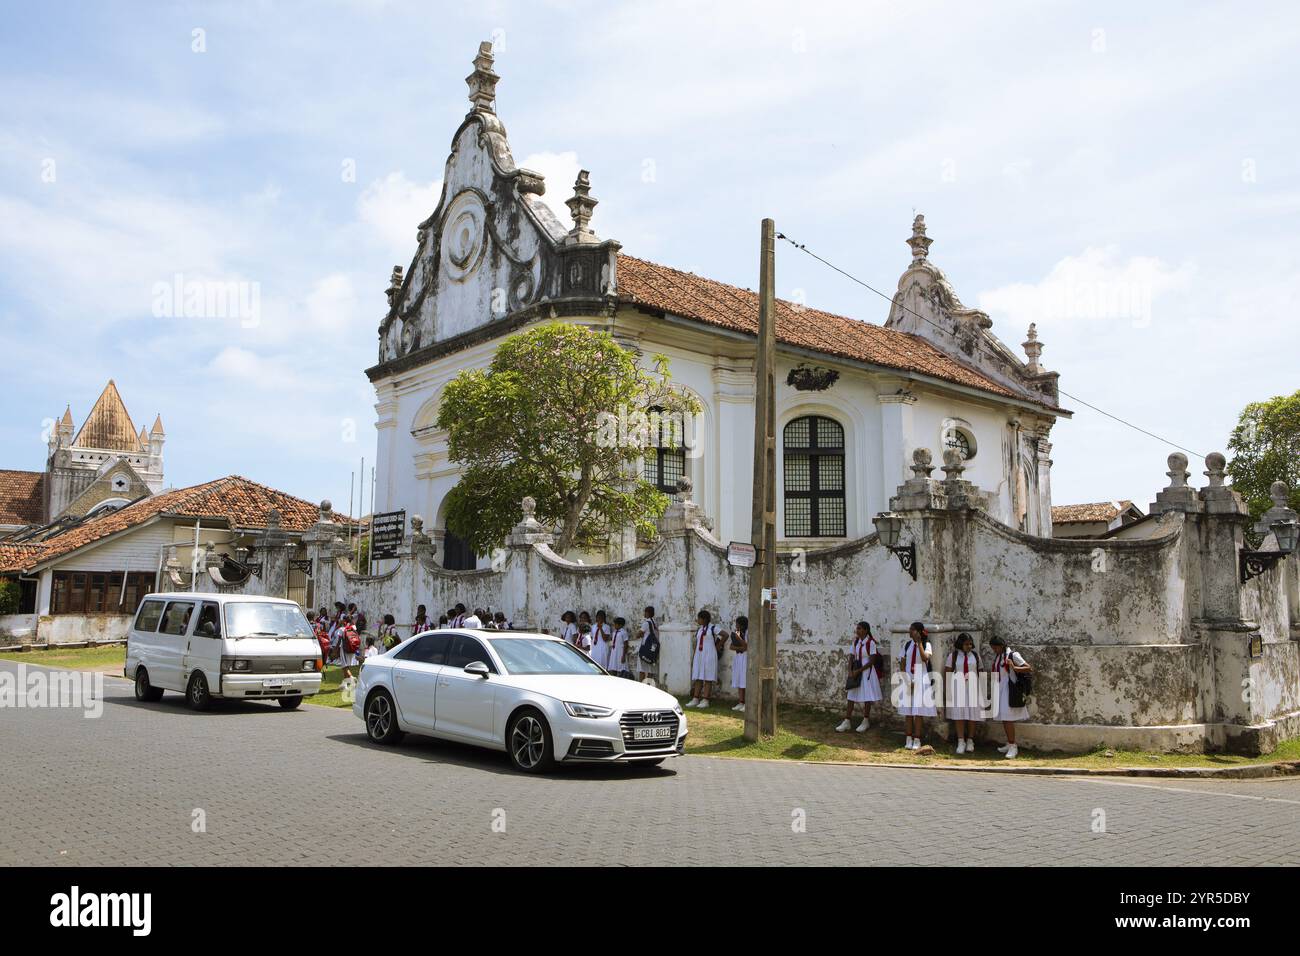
<point x="434" y="751"/>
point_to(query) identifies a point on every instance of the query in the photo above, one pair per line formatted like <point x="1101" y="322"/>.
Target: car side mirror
<point x="477" y="668"/>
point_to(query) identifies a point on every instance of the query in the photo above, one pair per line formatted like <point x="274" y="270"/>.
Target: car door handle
<point x="399" y="676"/>
<point x="444" y="683"/>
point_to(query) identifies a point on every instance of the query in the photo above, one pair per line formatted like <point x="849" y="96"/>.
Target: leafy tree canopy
<point x="1265" y="447"/>
<point x="560" y="415"/>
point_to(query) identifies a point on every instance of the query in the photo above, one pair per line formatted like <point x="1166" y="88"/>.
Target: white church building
<point x="854" y="398"/>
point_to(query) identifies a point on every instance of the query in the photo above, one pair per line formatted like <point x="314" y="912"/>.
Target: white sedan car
<point x="531" y="695"/>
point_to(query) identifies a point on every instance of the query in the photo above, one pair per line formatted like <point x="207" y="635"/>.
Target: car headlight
<point x="587" y="710"/>
<point x="229" y="664"/>
<point x="311" y="664"/>
<point x="677" y="709"/>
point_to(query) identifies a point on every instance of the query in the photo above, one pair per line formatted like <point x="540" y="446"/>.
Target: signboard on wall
<point x="386" y="533"/>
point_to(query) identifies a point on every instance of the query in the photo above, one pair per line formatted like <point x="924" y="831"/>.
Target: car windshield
<point x="535" y="655"/>
<point x="265" y="619"/>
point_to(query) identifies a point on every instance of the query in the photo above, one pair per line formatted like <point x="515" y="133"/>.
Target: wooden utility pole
<point x="760" y="673"/>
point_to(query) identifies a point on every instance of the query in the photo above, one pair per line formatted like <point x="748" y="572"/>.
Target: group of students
<point x="916" y="698"/>
<point x="339" y="634"/>
<point x="624" y="652"/>
<point x="460" y="616"/>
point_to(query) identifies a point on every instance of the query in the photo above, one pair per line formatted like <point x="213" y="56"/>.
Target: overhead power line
<point x="866" y="285"/>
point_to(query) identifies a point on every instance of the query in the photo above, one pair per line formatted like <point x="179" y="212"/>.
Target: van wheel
<point x="197" y="695"/>
<point x="290" y="703"/>
<point x="143" y="689"/>
<point x="528" y="741"/>
<point x="381" y="719"/>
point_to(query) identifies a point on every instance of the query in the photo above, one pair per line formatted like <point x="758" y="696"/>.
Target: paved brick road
<point x="307" y="787"/>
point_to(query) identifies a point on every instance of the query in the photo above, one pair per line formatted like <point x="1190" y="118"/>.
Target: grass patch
<point x="108" y="658"/>
<point x="807" y="733"/>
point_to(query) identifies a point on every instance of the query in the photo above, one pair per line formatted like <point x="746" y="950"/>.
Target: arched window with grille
<point x="665" y="455"/>
<point x="814" y="478"/>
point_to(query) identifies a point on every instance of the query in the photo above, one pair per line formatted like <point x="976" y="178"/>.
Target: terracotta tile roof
<point x="22" y="500"/>
<point x="238" y="501"/>
<point x="108" y="425"/>
<point x="706" y="300"/>
<point x="1092" y="511"/>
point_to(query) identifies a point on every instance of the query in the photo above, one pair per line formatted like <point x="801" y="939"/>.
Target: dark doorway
<point x="457" y="555"/>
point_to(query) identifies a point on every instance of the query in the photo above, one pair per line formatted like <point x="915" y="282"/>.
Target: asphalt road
<point x="251" y="784"/>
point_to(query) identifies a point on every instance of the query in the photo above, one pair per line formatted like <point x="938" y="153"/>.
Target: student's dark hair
<point x="962" y="638"/>
<point x="389" y="619"/>
<point x="370" y="642"/>
<point x="920" y="628"/>
<point x="996" y="641"/>
<point x="499" y="616"/>
<point x="586" y="614"/>
<point x="601" y="613"/>
<point x="460" y="608"/>
<point x="443" y="619"/>
<point x="480" y="613"/>
<point x="742" y="622"/>
<point x="649" y="610"/>
<point x="620" y="622"/>
<point x="865" y="626"/>
<point x="420" y="610"/>
<point x="708" y="618"/>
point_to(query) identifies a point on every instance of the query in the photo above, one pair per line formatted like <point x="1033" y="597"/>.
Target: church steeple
<point x="108" y="426"/>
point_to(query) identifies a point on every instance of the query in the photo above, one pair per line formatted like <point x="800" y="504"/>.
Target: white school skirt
<point x="963" y="697"/>
<point x="704" y="666"/>
<point x="915" y="695"/>
<point x="738" y="665"/>
<point x="869" y="690"/>
<point x="1005" y="711"/>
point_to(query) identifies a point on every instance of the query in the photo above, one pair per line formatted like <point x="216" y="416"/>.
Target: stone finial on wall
<point x="581" y="205"/>
<point x="394" y="285"/>
<point x="483" y="81"/>
<point x="953" y="464"/>
<point x="1280" y="494"/>
<point x="1217" y="497"/>
<point x="1178" y="496"/>
<point x="529" y="530"/>
<point x="921" y="463"/>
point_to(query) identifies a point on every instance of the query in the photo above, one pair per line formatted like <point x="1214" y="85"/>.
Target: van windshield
<point x="264" y="619"/>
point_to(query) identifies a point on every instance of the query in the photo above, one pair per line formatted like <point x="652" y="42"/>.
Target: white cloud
<point x="393" y="207"/>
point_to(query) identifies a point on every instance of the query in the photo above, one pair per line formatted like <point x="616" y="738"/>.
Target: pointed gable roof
<point x="157" y="426"/>
<point x="108" y="425"/>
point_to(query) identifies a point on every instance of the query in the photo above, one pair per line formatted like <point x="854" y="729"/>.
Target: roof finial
<point x="1033" y="349"/>
<point x="919" y="242"/>
<point x="394" y="285"/>
<point x="483" y="81"/>
<point x="581" y="205"/>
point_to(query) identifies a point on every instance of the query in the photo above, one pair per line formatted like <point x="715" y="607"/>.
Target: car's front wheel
<point x="381" y="719"/>
<point x="290" y="703"/>
<point x="528" y="741"/>
<point x="197" y="694"/>
<point x="143" y="689"/>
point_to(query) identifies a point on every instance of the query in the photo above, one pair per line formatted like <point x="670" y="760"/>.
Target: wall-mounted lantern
<point x="889" y="526"/>
<point x="1255" y="563"/>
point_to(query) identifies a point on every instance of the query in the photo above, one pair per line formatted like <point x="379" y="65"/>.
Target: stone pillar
<point x="275" y="551"/>
<point x="320" y="542"/>
<point x="521" y="567"/>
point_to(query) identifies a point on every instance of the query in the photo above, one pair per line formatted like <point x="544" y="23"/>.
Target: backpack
<point x="354" y="641"/>
<point x="649" y="651"/>
<point x="1021" y="689"/>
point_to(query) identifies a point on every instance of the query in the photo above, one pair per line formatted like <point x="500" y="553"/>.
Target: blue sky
<point x="1126" y="175"/>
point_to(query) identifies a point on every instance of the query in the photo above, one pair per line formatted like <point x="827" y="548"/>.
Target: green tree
<point x="10" y="596"/>
<point x="560" y="415"/>
<point x="1265" y="447"/>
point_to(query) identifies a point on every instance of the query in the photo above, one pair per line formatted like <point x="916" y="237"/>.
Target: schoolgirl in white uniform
<point x="740" y="644"/>
<point x="602" y="641"/>
<point x="961" y="690"/>
<point x="618" y="650"/>
<point x="704" y="659"/>
<point x="915" y="693"/>
<point x="1007" y="663"/>
<point x="569" y="628"/>
<point x="862" y="662"/>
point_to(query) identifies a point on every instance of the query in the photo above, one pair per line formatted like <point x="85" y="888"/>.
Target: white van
<point x="207" y="646"/>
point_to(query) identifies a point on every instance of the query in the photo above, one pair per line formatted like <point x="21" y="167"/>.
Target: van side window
<point x="176" y="619"/>
<point x="209" y="620"/>
<point x="149" y="616"/>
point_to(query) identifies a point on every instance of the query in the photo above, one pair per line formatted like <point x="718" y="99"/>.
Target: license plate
<point x="276" y="682"/>
<point x="652" y="733"/>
